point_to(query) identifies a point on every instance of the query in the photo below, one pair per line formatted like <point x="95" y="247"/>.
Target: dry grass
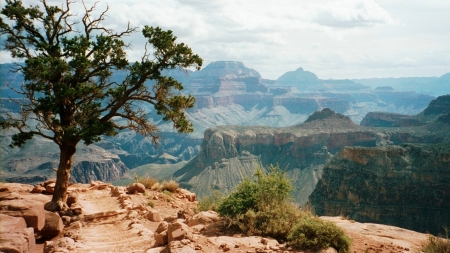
<point x="170" y="186"/>
<point x="148" y="182"/>
<point x="437" y="244"/>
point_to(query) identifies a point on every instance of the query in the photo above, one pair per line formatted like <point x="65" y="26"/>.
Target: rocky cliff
<point x="406" y="186"/>
<point x="229" y="93"/>
<point x="436" y="108"/>
<point x="230" y="153"/>
<point x="38" y="159"/>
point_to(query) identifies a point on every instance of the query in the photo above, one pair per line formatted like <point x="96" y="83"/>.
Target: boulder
<point x="50" y="188"/>
<point x="136" y="187"/>
<point x="50" y="181"/>
<point x="203" y="218"/>
<point x="38" y="189"/>
<point x="161" y="239"/>
<point x="162" y="227"/>
<point x="32" y="211"/>
<point x="189" y="195"/>
<point x="53" y="225"/>
<point x="177" y="231"/>
<point x="15" y="236"/>
<point x="154" y="216"/>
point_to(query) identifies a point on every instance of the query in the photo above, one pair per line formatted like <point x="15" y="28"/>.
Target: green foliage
<point x="262" y="206"/>
<point x="67" y="71"/>
<point x="267" y="192"/>
<point x="67" y="68"/>
<point x="241" y="200"/>
<point x="437" y="244"/>
<point x="211" y="201"/>
<point x="315" y="233"/>
<point x="151" y="204"/>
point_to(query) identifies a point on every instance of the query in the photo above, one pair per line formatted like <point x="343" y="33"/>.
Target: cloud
<point x="349" y="14"/>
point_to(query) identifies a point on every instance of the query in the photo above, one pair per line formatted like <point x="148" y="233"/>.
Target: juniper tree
<point x="67" y="62"/>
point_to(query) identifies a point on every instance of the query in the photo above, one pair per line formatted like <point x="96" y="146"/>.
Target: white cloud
<point x="334" y="39"/>
<point x="349" y="14"/>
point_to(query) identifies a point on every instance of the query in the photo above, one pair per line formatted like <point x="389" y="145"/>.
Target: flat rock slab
<point x="32" y="211"/>
<point x="10" y="224"/>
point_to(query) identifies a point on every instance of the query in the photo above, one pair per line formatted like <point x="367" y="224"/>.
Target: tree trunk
<point x="59" y="198"/>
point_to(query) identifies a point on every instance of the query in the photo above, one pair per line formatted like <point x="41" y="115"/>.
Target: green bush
<point x="239" y="201"/>
<point x="314" y="233"/>
<point x="211" y="201"/>
<point x="262" y="206"/>
<point x="267" y="192"/>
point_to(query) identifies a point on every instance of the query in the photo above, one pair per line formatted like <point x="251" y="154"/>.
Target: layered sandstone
<point x="406" y="186"/>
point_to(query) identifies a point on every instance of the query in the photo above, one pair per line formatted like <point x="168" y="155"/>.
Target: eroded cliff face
<point x="39" y="158"/>
<point x="437" y="108"/>
<point x="406" y="186"/>
<point x="230" y="153"/>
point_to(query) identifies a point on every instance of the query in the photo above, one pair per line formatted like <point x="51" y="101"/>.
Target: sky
<point x="334" y="39"/>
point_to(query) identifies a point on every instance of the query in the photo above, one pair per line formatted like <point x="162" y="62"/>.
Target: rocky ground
<point x="105" y="218"/>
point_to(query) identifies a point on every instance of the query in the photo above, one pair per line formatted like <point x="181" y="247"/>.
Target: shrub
<point x="436" y="244"/>
<point x="241" y="200"/>
<point x="211" y="201"/>
<point x="261" y="206"/>
<point x="156" y="186"/>
<point x="151" y="204"/>
<point x="170" y="186"/>
<point x="147" y="181"/>
<point x="276" y="222"/>
<point x="267" y="192"/>
<point x="314" y="233"/>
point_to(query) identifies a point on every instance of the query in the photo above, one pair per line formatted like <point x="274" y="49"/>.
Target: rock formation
<point x="437" y="107"/>
<point x="227" y="93"/>
<point x="230" y="153"/>
<point x="406" y="186"/>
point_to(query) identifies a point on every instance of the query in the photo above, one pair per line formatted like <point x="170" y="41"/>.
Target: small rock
<point x="264" y="241"/>
<point x="50" y="188"/>
<point x="133" y="214"/>
<point x="72" y="198"/>
<point x="154" y="216"/>
<point x="162" y="227"/>
<point x="38" y="189"/>
<point x="50" y="181"/>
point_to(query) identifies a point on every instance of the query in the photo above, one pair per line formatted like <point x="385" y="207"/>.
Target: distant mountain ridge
<point x="229" y="93"/>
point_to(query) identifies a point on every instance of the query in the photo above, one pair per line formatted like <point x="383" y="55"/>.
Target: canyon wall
<point x="406" y="186"/>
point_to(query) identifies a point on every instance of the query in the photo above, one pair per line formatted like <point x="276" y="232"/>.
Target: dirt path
<point x="109" y="228"/>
